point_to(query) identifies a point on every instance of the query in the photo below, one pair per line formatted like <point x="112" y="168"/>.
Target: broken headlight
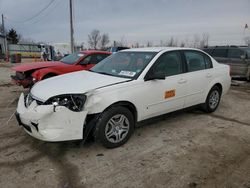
<point x="74" y="102"/>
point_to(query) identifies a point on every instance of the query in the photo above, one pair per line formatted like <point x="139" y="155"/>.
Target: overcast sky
<point x="131" y="20"/>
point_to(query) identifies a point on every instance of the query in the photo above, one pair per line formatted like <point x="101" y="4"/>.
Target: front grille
<point x="20" y="75"/>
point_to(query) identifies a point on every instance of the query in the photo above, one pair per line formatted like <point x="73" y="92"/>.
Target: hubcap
<point x="214" y="99"/>
<point x="117" y="128"/>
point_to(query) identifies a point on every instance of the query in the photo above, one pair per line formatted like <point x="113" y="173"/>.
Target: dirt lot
<point x="184" y="149"/>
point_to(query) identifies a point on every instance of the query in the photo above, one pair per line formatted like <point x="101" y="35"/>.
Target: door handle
<point x="209" y="75"/>
<point x="182" y="81"/>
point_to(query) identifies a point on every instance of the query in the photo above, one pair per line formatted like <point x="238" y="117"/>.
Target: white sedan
<point x="126" y="88"/>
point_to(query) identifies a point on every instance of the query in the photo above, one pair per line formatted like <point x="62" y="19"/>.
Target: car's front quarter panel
<point x="39" y="74"/>
<point x="131" y="92"/>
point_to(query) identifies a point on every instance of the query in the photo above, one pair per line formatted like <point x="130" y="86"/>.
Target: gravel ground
<point x="183" y="149"/>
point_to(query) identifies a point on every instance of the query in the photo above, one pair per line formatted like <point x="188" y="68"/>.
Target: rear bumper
<point x="49" y="123"/>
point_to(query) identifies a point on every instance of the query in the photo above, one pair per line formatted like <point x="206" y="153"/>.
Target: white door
<point x="199" y="74"/>
<point x="165" y="95"/>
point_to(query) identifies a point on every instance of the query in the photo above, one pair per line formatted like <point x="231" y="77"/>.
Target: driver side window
<point x="85" y="61"/>
<point x="170" y="63"/>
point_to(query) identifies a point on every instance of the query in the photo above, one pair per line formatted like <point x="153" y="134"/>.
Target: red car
<point x="27" y="74"/>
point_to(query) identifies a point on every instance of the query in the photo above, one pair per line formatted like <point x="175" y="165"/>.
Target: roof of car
<point x="157" y="49"/>
<point x="94" y="51"/>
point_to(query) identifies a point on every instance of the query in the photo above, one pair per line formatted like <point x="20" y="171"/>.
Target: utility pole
<point x="71" y="28"/>
<point x="5" y="38"/>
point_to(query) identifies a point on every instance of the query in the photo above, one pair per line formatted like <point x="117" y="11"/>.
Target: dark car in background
<point x="238" y="57"/>
<point x="116" y="49"/>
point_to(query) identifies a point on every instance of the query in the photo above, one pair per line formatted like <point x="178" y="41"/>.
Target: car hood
<point x="36" y="65"/>
<point x="76" y="82"/>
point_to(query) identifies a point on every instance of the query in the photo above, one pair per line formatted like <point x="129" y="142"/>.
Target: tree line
<point x="97" y="40"/>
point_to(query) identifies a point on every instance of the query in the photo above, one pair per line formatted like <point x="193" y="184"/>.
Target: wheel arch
<point x="129" y="105"/>
<point x="210" y="86"/>
<point x="219" y="85"/>
<point x="41" y="73"/>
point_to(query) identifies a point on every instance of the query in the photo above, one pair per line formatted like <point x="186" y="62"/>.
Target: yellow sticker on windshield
<point x="170" y="93"/>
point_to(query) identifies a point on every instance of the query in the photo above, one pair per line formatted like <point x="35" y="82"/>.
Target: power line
<point x="46" y="15"/>
<point x="35" y="15"/>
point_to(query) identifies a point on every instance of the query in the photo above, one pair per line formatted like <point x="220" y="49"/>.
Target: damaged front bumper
<point x="21" y="82"/>
<point x="50" y="123"/>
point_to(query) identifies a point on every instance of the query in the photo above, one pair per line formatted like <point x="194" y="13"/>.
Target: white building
<point x="63" y="48"/>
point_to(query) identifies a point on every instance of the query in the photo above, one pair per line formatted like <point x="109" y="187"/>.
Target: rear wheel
<point x="114" y="127"/>
<point x="213" y="99"/>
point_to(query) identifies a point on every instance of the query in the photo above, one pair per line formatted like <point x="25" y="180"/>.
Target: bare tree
<point x="104" y="41"/>
<point x="187" y="43"/>
<point x="182" y="44"/>
<point x="137" y="45"/>
<point x="122" y="42"/>
<point x="27" y="40"/>
<point x="171" y="42"/>
<point x="94" y="38"/>
<point x="247" y="40"/>
<point x="196" y="41"/>
<point x="204" y="40"/>
<point x="149" y="44"/>
<point x="162" y="43"/>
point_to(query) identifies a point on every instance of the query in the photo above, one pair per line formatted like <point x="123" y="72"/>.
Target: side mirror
<point x="155" y="76"/>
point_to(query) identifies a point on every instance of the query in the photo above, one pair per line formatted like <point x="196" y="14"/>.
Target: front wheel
<point x="213" y="99"/>
<point x="114" y="127"/>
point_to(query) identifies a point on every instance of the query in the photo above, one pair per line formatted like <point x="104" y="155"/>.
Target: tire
<point x="114" y="127"/>
<point x="213" y="100"/>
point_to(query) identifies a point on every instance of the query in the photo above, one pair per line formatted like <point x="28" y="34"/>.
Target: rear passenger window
<point x="208" y="62"/>
<point x="195" y="61"/>
<point x="220" y="53"/>
<point x="235" y="53"/>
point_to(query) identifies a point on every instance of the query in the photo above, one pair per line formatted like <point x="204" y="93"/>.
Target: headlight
<point x="74" y="102"/>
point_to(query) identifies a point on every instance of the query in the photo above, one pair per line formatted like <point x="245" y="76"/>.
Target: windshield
<point x="72" y="58"/>
<point x="124" y="64"/>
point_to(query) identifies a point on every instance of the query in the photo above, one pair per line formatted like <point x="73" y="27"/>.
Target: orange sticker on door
<point x="170" y="93"/>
